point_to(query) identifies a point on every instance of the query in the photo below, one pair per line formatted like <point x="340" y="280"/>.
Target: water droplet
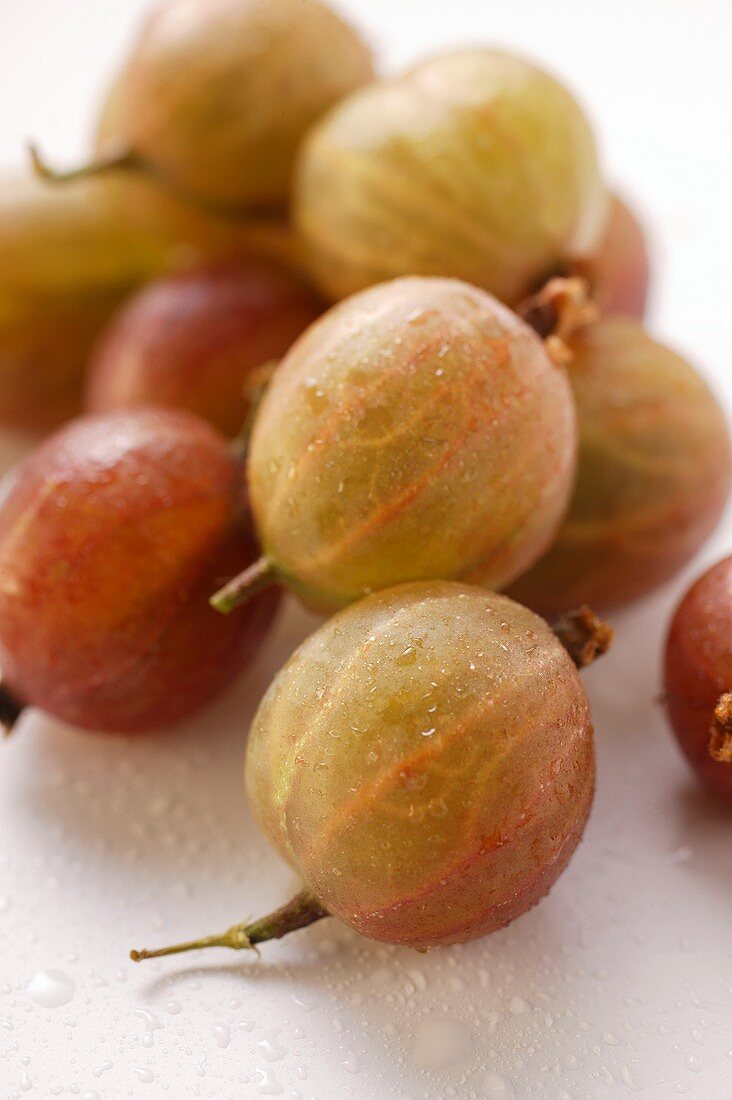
<point x="496" y="1087"/>
<point x="51" y="988"/>
<point x="272" y="1050"/>
<point x="25" y="1082"/>
<point x="152" y="1024"/>
<point x="517" y="1005"/>
<point x="106" y="1065"/>
<point x="173" y="1007"/>
<point x="222" y="1035"/>
<point x="440" y="1043"/>
<point x="351" y="1063"/>
<point x="694" y="1063"/>
<point x="266" y="1083"/>
<point x="144" y="1076"/>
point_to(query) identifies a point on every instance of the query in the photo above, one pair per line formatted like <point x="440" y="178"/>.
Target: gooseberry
<point x="698" y="677"/>
<point x="474" y="164"/>
<point x="425" y="762"/>
<point x="418" y="430"/>
<point x="111" y="536"/>
<point x="193" y="340"/>
<point x="70" y="256"/>
<point x="619" y="273"/>
<point x="218" y="94"/>
<point x="653" y="473"/>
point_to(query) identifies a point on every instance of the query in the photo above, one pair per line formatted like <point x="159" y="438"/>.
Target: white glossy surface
<point x="621" y="981"/>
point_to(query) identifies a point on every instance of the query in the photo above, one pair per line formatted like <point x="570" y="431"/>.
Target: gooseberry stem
<point x="585" y="636"/>
<point x="120" y="160"/>
<point x="720" y="739"/>
<point x="10" y="709"/>
<point x="559" y="309"/>
<point x="259" y="575"/>
<point x="299" y="912"/>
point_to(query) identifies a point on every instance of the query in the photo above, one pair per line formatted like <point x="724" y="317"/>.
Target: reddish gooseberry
<point x="698" y="677"/>
<point x="653" y="473"/>
<point x="191" y="341"/>
<point x="112" y="534"/>
<point x="425" y="762"/>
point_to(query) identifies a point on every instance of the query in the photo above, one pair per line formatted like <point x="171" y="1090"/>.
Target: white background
<point x="621" y="981"/>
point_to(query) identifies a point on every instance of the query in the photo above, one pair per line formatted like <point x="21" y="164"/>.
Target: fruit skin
<point x="112" y="534"/>
<point x="653" y="473"/>
<point x="190" y="341"/>
<point x="218" y="94"/>
<point x="698" y="670"/>
<point x="425" y="761"/>
<point x="620" y="273"/>
<point x="417" y="430"/>
<point x="45" y="341"/>
<point x="473" y="164"/>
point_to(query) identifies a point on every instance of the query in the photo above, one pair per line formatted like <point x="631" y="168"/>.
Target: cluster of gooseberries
<point x="382" y="347"/>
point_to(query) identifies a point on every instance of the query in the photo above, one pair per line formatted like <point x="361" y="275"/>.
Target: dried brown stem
<point x="720" y="735"/>
<point x="559" y="309"/>
<point x="585" y="636"/>
<point x="299" y="912"/>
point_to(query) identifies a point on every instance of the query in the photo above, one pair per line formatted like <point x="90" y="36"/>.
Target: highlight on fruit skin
<point x="217" y="95"/>
<point x="698" y="677"/>
<point x="195" y="341"/>
<point x="620" y="272"/>
<point x="425" y="762"/>
<point x="112" y="534"/>
<point x="417" y="430"/>
<point x="474" y="164"/>
<point x="653" y="475"/>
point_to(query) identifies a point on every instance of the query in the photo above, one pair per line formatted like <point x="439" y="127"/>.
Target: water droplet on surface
<point x="694" y="1063"/>
<point x="517" y="1005"/>
<point x="351" y="1064"/>
<point x="25" y="1083"/>
<point x="440" y="1043"/>
<point x="51" y="988"/>
<point x="144" y="1076"/>
<point x="151" y="1023"/>
<point x="266" y="1083"/>
<point x="222" y="1035"/>
<point x="173" y="1007"/>
<point x="496" y="1087"/>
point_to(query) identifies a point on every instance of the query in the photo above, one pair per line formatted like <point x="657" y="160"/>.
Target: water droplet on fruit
<point x="173" y="1007"/>
<point x="144" y="1076"/>
<point x="51" y="988"/>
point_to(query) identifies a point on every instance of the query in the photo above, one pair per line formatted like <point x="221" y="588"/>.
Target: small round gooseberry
<point x="217" y="95"/>
<point x="698" y="677"/>
<point x="474" y="164"/>
<point x="111" y="536"/>
<point x="417" y="430"/>
<point x="425" y="762"/>
<point x="193" y="340"/>
<point x="653" y="473"/>
<point x="619" y="273"/>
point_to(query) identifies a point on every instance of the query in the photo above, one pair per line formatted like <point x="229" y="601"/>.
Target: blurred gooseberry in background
<point x="193" y="340"/>
<point x="653" y="473"/>
<point x="474" y="163"/>
<point x="698" y="677"/>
